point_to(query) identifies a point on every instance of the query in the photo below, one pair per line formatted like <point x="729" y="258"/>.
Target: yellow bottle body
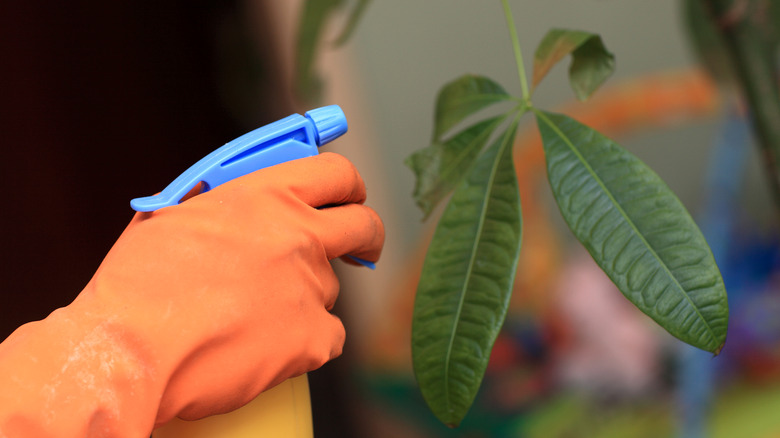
<point x="283" y="411"/>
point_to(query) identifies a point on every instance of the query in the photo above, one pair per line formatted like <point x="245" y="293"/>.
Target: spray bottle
<point x="285" y="410"/>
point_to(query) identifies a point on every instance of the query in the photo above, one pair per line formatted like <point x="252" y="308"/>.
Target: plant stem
<point x="510" y="22"/>
<point x="752" y="54"/>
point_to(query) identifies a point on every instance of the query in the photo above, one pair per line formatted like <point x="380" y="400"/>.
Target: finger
<point x="329" y="342"/>
<point x="339" y="336"/>
<point x="325" y="179"/>
<point x="351" y="229"/>
<point x="329" y="284"/>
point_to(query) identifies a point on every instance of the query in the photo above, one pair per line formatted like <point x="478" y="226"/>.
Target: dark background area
<point x="102" y="102"/>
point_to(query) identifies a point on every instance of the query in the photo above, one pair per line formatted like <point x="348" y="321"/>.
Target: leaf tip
<point x="582" y="97"/>
<point x="451" y="419"/>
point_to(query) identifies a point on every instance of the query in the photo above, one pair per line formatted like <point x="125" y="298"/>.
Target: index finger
<point x="322" y="180"/>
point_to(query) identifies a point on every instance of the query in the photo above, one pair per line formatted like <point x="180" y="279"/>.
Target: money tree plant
<point x="634" y="227"/>
<point x="631" y="223"/>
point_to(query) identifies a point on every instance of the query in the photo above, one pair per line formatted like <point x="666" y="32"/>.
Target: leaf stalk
<point x="510" y="22"/>
<point x="752" y="53"/>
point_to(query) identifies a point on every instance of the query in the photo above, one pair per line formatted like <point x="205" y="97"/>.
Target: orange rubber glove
<point x="196" y="309"/>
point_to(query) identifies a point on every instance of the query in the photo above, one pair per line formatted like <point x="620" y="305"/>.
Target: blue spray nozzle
<point x="287" y="139"/>
<point x="329" y="122"/>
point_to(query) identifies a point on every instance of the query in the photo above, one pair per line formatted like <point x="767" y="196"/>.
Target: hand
<point x="217" y="299"/>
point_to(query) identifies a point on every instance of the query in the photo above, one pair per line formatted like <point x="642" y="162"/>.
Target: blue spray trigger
<point x="364" y="262"/>
<point x="287" y="139"/>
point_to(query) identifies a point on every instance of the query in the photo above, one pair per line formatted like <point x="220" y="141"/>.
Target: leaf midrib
<point x="571" y="146"/>
<point x="472" y="259"/>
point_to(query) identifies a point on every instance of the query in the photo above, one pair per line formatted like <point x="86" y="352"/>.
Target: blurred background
<point x="101" y="102"/>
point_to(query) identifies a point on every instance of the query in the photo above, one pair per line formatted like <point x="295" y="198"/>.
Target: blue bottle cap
<point x="329" y="121"/>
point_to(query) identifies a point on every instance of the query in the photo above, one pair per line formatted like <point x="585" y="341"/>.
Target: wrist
<point x="76" y="373"/>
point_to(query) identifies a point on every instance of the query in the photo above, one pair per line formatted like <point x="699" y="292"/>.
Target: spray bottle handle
<point x="288" y="139"/>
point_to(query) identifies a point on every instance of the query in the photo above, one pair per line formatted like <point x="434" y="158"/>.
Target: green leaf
<point x="314" y="16"/>
<point x="705" y="40"/>
<point x="772" y="25"/>
<point x="352" y="21"/>
<point x="591" y="63"/>
<point x="440" y="167"/>
<point x="463" y="97"/>
<point x="637" y="231"/>
<point x="466" y="282"/>
<point x="706" y="33"/>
